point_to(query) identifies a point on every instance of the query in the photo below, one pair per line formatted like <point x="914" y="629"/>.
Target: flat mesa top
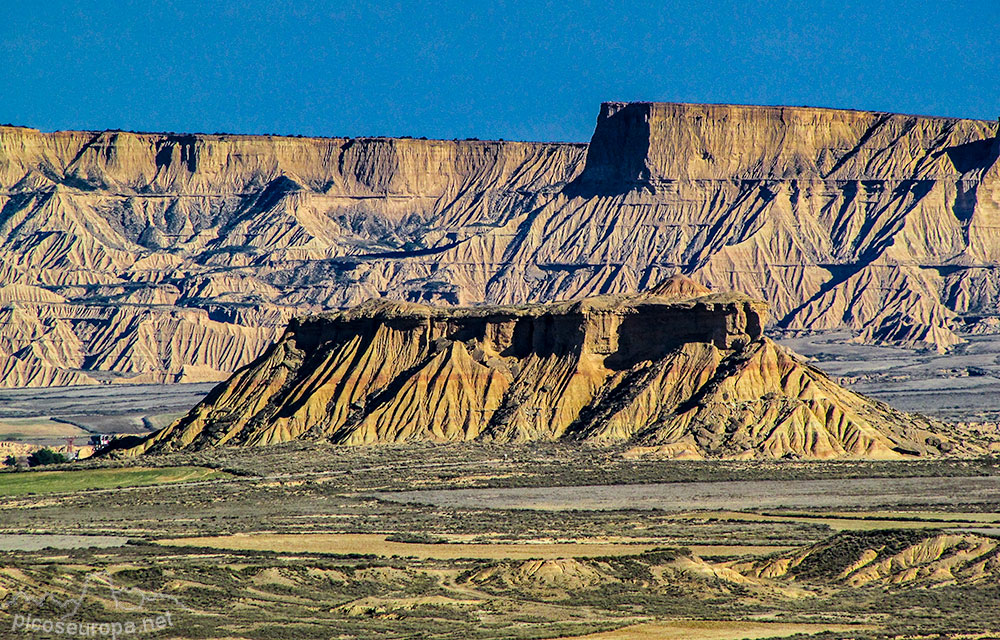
<point x="11" y="130"/>
<point x="385" y="308"/>
<point x="613" y="106"/>
<point x="607" y="107"/>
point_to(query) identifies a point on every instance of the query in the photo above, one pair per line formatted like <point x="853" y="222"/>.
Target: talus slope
<point x="673" y="376"/>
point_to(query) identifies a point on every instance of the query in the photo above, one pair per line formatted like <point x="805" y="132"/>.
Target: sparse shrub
<point x="45" y="456"/>
<point x="415" y="538"/>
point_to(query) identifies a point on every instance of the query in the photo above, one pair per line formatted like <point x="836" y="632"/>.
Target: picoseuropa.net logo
<point x="127" y="611"/>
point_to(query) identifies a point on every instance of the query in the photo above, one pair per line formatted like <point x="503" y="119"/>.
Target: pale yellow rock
<point x="27" y="293"/>
<point x="244" y="226"/>
<point x="887" y="558"/>
<point x="680" y="377"/>
<point x="884" y="224"/>
<point x="560" y="574"/>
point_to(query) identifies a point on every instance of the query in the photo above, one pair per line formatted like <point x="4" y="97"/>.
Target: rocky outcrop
<point x="881" y="223"/>
<point x="883" y="559"/>
<point x="161" y="257"/>
<point x="554" y="576"/>
<point x="675" y="569"/>
<point x="672" y="374"/>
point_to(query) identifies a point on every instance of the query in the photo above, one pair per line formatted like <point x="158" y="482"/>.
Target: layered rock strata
<point x="672" y="374"/>
<point x="881" y="223"/>
<point x="886" y="559"/>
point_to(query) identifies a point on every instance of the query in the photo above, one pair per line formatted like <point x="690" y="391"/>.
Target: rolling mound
<point x="556" y="575"/>
<point x="908" y="558"/>
<point x="556" y="579"/>
<point x="674" y="375"/>
<point x="165" y="257"/>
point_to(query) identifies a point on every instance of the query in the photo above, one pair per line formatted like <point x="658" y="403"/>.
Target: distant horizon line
<point x="604" y="104"/>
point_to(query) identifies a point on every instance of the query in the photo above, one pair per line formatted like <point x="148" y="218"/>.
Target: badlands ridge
<point x="174" y="257"/>
<point x="676" y="371"/>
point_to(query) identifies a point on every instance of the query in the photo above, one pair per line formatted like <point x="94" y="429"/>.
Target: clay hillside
<point x="162" y="257"/>
<point x="675" y="372"/>
<point x="887" y="558"/>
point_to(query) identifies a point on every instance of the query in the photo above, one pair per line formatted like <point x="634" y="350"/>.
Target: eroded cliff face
<point x="163" y="258"/>
<point x="885" y="224"/>
<point x="676" y="375"/>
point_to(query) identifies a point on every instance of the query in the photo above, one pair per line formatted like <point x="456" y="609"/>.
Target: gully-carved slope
<point x="160" y="257"/>
<point x="181" y="256"/>
<point x="675" y="375"/>
<point x="883" y="223"/>
<point x="885" y="559"/>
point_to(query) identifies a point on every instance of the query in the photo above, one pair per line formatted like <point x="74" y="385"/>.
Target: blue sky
<point x="525" y="70"/>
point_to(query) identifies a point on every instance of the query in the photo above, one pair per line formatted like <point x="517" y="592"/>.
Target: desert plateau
<point x="725" y="372"/>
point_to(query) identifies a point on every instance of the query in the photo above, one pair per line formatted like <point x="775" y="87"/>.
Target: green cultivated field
<point x="28" y="482"/>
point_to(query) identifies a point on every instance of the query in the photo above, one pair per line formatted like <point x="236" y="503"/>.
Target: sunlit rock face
<point x="175" y="258"/>
<point x="906" y="559"/>
<point x="882" y="223"/>
<point x="676" y="372"/>
<point x="171" y="257"/>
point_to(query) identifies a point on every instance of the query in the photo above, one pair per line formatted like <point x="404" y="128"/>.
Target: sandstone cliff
<point x="161" y="257"/>
<point x="675" y="375"/>
<point x="882" y="223"/>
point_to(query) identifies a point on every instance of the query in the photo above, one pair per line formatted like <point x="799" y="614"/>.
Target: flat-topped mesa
<point x="679" y="375"/>
<point x="160" y="257"/>
<point x="143" y="164"/>
<point x="819" y="211"/>
<point x="648" y="142"/>
<point x="621" y="329"/>
<point x="119" y="243"/>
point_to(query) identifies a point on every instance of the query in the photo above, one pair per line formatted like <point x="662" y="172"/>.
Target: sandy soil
<point x="714" y="630"/>
<point x="737" y="496"/>
<point x="34" y="542"/>
<point x="48" y="414"/>
<point x="378" y="545"/>
<point x="350" y="543"/>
